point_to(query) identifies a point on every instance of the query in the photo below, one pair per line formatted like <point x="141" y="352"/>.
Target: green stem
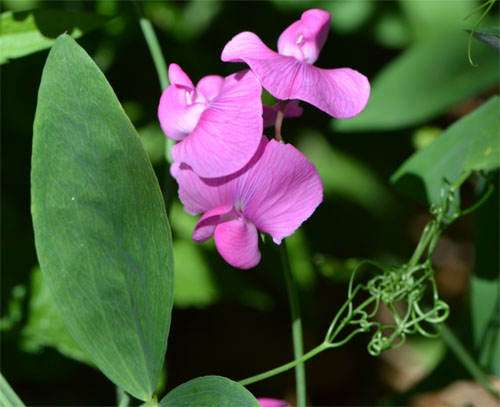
<point x="466" y="359"/>
<point x="429" y="231"/>
<point x="285" y="367"/>
<point x="8" y="396"/>
<point x="154" y="47"/>
<point x="161" y="70"/>
<point x="298" y="347"/>
<point x="123" y="399"/>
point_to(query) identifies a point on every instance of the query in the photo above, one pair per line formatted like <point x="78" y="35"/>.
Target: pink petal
<point x="342" y="92"/>
<point x="178" y="77"/>
<point x="269" y="113"/>
<point x="205" y="227"/>
<point x="199" y="195"/>
<point x="267" y="402"/>
<point x="237" y="242"/>
<point x="177" y="117"/>
<point x="305" y="38"/>
<point x="228" y="132"/>
<point x="210" y="86"/>
<point x="281" y="191"/>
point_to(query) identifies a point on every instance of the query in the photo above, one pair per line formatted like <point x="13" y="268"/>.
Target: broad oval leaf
<point x="471" y="143"/>
<point x="209" y="391"/>
<point x="423" y="82"/>
<point x="101" y="230"/>
<point x="25" y="32"/>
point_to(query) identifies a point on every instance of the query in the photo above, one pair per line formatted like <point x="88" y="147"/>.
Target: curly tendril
<point x="409" y="291"/>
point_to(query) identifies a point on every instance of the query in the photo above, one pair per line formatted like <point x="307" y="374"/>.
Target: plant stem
<point x="8" y="396"/>
<point x="298" y="347"/>
<point x="285" y="367"/>
<point x="466" y="359"/>
<point x="429" y="231"/>
<point x="154" y="46"/>
<point x="162" y="72"/>
<point x="279" y="121"/>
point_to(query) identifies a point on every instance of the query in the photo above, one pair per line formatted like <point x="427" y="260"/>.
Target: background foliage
<point x="232" y="323"/>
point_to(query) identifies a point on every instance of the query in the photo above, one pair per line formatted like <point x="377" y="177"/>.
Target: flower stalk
<point x="298" y="346"/>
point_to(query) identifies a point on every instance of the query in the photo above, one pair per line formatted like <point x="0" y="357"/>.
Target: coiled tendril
<point x="409" y="291"/>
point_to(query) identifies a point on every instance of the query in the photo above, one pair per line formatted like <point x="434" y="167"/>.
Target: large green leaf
<point x="471" y="143"/>
<point x="423" y="82"/>
<point x="101" y="230"/>
<point x="209" y="391"/>
<point x="484" y="289"/>
<point x="25" y="32"/>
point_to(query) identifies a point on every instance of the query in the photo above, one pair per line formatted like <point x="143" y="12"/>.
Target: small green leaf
<point x="25" y="32"/>
<point x="45" y="326"/>
<point x="489" y="35"/>
<point x="422" y="83"/>
<point x="471" y="143"/>
<point x="209" y="391"/>
<point x="101" y="231"/>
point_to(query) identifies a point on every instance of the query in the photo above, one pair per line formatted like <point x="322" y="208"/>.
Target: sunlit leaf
<point x="423" y="82"/>
<point x="470" y="143"/>
<point x="209" y="391"/>
<point x="102" y="235"/>
<point x="25" y="32"/>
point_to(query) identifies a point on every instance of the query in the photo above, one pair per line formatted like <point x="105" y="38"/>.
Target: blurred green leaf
<point x="490" y="36"/>
<point x="470" y="143"/>
<point x="20" y="5"/>
<point x="300" y="260"/>
<point x="484" y="290"/>
<point x="45" y="326"/>
<point x="25" y="32"/>
<point x="344" y="176"/>
<point x="153" y="141"/>
<point x="185" y="20"/>
<point x="347" y="15"/>
<point x="194" y="285"/>
<point x="14" y="308"/>
<point x="423" y="82"/>
<point x="428" y="20"/>
<point x="101" y="230"/>
<point x="392" y="30"/>
<point x="209" y="391"/>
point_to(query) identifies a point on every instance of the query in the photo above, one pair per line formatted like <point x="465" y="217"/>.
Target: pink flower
<point x="218" y="123"/>
<point x="274" y="193"/>
<point x="267" y="402"/>
<point x="270" y="113"/>
<point x="289" y="74"/>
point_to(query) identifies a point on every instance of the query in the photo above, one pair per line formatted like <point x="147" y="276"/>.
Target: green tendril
<point x="409" y="292"/>
<point x="488" y="4"/>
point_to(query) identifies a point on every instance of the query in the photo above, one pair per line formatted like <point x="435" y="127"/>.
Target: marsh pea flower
<point x="267" y="402"/>
<point x="290" y="73"/>
<point x="218" y="123"/>
<point x="274" y="193"/>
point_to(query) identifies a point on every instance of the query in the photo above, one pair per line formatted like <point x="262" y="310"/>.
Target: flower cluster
<point x="227" y="170"/>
